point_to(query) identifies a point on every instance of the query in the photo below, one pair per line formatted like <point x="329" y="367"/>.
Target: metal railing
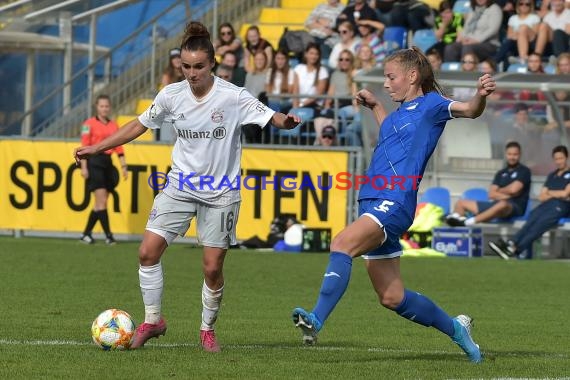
<point x="138" y="75"/>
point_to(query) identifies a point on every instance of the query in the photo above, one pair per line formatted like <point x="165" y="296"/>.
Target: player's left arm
<point x="283" y="121"/>
<point x="474" y="108"/>
<point x="560" y="194"/>
<point x="513" y="189"/>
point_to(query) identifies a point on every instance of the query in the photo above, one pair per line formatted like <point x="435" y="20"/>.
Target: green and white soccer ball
<point x="113" y="329"/>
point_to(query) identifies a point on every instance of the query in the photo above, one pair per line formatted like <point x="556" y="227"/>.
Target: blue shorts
<point x="517" y="210"/>
<point x="393" y="220"/>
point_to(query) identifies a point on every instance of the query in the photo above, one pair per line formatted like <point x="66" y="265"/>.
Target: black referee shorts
<point x="102" y="173"/>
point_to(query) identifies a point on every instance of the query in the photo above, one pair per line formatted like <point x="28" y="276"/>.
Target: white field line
<point x="17" y="342"/>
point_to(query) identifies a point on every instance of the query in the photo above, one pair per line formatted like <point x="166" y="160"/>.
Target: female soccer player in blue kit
<point x="408" y="137"/>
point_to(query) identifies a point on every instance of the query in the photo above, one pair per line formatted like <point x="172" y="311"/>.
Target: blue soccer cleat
<point x="309" y="325"/>
<point x="462" y="337"/>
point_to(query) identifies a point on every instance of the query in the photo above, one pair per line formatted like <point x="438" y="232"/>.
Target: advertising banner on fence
<point x="41" y="188"/>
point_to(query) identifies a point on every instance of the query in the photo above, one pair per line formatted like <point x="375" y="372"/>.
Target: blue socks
<point x="334" y="284"/>
<point x="418" y="308"/>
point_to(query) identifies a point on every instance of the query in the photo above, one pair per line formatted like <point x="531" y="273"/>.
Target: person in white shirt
<point x="207" y="113"/>
<point x="554" y="30"/>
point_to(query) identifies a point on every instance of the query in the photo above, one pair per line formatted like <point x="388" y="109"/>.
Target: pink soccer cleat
<point x="209" y="342"/>
<point x="146" y="331"/>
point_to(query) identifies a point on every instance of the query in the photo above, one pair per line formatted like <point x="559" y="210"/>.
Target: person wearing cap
<point x="173" y="73"/>
<point x="328" y="136"/>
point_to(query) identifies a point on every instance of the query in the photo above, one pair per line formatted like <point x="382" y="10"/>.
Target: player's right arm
<point x="129" y="132"/>
<point x="495" y="194"/>
<point x="368" y="100"/>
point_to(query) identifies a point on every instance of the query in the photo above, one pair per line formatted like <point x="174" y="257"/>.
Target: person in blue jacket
<point x="408" y="137"/>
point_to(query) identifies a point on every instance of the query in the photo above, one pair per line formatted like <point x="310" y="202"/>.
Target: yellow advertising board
<point x="42" y="189"/>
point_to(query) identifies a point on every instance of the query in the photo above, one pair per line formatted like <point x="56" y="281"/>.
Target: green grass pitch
<point x="51" y="290"/>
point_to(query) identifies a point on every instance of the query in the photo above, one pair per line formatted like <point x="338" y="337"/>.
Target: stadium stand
<point x="439" y="196"/>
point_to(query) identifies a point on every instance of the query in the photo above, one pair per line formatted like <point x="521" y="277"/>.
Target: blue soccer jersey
<point x="408" y="137"/>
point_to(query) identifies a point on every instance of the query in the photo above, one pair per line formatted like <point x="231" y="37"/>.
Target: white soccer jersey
<point x="206" y="154"/>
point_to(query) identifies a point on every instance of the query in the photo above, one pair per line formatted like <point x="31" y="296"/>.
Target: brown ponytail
<point x="413" y="58"/>
<point x="197" y="37"/>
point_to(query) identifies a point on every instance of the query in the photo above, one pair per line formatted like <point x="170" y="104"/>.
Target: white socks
<point x="211" y="301"/>
<point x="151" y="281"/>
<point x="470" y="221"/>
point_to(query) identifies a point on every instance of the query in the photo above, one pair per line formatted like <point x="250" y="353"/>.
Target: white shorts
<point x="216" y="226"/>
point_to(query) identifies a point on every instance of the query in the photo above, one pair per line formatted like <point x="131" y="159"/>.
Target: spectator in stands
<point x="311" y="79"/>
<point x="228" y="41"/>
<point x="488" y="66"/>
<point x="521" y="34"/>
<point x="327" y="137"/>
<point x="447" y="25"/>
<point x="98" y="170"/>
<point x="526" y="132"/>
<point x="508" y="194"/>
<point x="411" y="14"/>
<point x="469" y="64"/>
<point x="321" y="24"/>
<point x="173" y="73"/>
<point x="340" y="85"/>
<point x="280" y="80"/>
<point x="480" y="34"/>
<point x="365" y="60"/>
<point x="348" y="41"/>
<point x="554" y="200"/>
<point x="254" y="43"/>
<point x="224" y="72"/>
<point x="229" y="59"/>
<point x="554" y="31"/>
<point x="370" y="34"/>
<point x="435" y="60"/>
<point x="383" y="10"/>
<point x="255" y="79"/>
<point x="534" y="66"/>
<point x="562" y="68"/>
<point x="359" y="10"/>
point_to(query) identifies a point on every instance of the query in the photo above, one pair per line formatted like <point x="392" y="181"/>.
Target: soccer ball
<point x="113" y="329"/>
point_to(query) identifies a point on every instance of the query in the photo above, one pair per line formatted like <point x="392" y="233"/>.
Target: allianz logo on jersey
<point x="218" y="134"/>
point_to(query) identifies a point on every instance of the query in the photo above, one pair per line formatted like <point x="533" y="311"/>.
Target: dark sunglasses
<point x="226" y="33"/>
<point x="328" y="137"/>
<point x="344" y="59"/>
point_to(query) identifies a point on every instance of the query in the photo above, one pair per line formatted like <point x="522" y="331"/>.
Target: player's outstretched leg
<point x="308" y="323"/>
<point x="462" y="337"/>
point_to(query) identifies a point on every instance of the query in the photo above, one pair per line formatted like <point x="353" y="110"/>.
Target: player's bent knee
<point x="389" y="302"/>
<point x="212" y="272"/>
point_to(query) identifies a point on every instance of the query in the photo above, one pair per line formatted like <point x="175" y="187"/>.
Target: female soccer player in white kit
<point x="207" y="113"/>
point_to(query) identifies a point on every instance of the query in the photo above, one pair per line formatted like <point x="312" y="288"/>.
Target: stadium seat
<point x="283" y="16"/>
<point x="451" y="66"/>
<point x="518" y="68"/>
<point x="462" y="6"/>
<point x="124" y="119"/>
<point x="550" y="69"/>
<point x="439" y="196"/>
<point x="142" y="105"/>
<point x="476" y="194"/>
<point x="396" y="34"/>
<point x="424" y="39"/>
